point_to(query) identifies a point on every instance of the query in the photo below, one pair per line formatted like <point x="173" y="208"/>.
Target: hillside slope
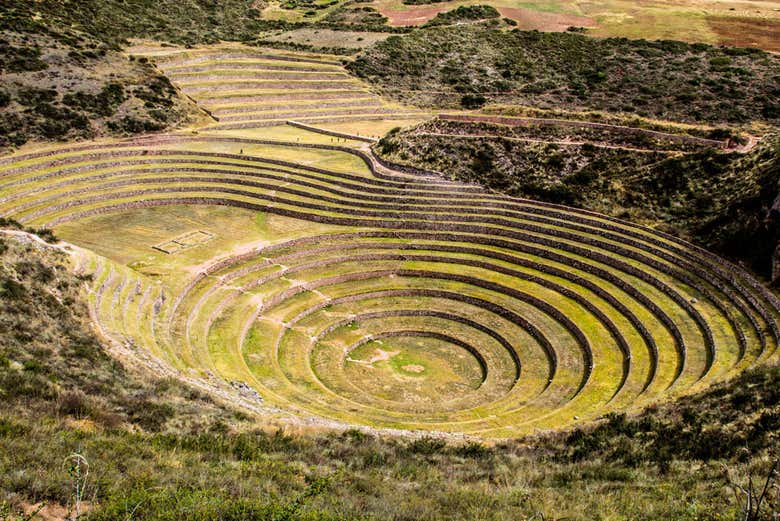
<point x="114" y="21"/>
<point x="56" y="86"/>
<point x="62" y="75"/>
<point x="161" y="450"/>
<point x="442" y="67"/>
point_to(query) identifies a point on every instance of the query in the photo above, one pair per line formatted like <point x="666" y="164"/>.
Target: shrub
<point x="46" y="234"/>
<point x="572" y="70"/>
<point x="464" y="13"/>
<point x="32" y="96"/>
<point x="9" y="429"/>
<point x="355" y="436"/>
<point x="73" y="403"/>
<point x="20" y="59"/>
<point x="131" y="125"/>
<point x="102" y="104"/>
<point x="720" y="62"/>
<point x="11" y="289"/>
<point x="150" y="416"/>
<point x="25" y="385"/>
<point x="473" y="450"/>
<point x="426" y="446"/>
<point x="372" y="458"/>
<point x="472" y="101"/>
<point x="32" y="366"/>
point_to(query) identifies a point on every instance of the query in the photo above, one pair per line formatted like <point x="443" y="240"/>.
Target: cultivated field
<point x="301" y="276"/>
<point x="327" y="38"/>
<point x="743" y="24"/>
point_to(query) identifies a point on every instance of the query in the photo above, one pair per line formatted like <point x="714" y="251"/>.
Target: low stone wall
<point x="293" y="114"/>
<point x="332" y="133"/>
<point x="242" y="109"/>
<point x="192" y="58"/>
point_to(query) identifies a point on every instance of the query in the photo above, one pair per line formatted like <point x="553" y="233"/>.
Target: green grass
<point x="192" y="352"/>
<point x="208" y="325"/>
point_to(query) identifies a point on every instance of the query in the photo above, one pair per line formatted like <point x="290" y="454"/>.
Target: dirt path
<point x="556" y="122"/>
<point x="750" y="145"/>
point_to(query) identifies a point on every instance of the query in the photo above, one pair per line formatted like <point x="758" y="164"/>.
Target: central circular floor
<point x="417" y="372"/>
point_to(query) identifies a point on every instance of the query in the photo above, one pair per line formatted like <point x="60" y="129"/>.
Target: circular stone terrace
<point x="406" y="301"/>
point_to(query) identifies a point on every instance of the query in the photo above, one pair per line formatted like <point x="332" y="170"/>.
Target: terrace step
<point x="220" y="80"/>
<point x="553" y="312"/>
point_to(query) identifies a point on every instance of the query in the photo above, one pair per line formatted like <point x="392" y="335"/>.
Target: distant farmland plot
<point x="329" y="38"/>
<point x="752" y="24"/>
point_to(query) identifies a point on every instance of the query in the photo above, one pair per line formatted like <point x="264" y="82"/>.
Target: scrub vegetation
<point x="452" y="66"/>
<point x="56" y="87"/>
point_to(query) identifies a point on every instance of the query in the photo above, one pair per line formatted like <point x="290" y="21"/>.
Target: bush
<point x="9" y="429"/>
<point x="32" y="96"/>
<point x="372" y="458"/>
<point x="719" y="62"/>
<point x="572" y="71"/>
<point x="473" y="101"/>
<point x="46" y="234"/>
<point x="465" y="13"/>
<point x="473" y="450"/>
<point x="150" y="416"/>
<point x="131" y="125"/>
<point x="11" y="289"/>
<point x="73" y="403"/>
<point x="426" y="446"/>
<point x="24" y="385"/>
<point x="102" y="104"/>
<point x="20" y="59"/>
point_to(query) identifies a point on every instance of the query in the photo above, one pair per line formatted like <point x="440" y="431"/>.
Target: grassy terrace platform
<point x="245" y="88"/>
<point x="348" y="292"/>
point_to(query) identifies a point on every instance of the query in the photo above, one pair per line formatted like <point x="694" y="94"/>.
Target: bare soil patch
<point x="381" y="356"/>
<point x="52" y="511"/>
<point x="529" y="19"/>
<point x="415" y="15"/>
<point x="747" y="32"/>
